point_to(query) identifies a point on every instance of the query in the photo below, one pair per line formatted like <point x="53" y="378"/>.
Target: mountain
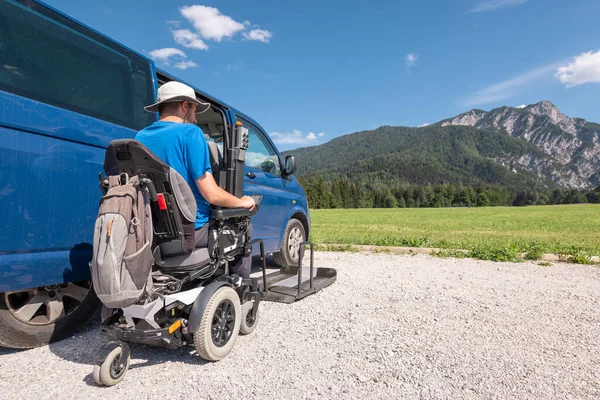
<point x="535" y="146"/>
<point x="570" y="144"/>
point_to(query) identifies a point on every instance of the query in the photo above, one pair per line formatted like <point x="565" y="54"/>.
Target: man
<point x="177" y="141"/>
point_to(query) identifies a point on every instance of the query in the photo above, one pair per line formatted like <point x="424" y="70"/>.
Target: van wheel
<point x="290" y="248"/>
<point x="38" y="316"/>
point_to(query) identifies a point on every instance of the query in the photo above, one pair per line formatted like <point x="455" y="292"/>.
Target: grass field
<point x="489" y="233"/>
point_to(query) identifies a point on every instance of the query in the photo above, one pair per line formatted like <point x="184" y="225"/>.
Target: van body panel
<point x="49" y="164"/>
<point x="266" y="223"/>
<point x="31" y="116"/>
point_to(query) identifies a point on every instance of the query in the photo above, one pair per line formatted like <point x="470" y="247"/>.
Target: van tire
<point x="294" y="234"/>
<point x="17" y="334"/>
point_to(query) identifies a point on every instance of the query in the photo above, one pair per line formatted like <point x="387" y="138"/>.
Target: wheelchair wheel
<point x="248" y="324"/>
<point x="219" y="326"/>
<point x="113" y="368"/>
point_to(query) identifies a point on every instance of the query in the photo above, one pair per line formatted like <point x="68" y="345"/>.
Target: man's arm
<point x="199" y="165"/>
<point x="215" y="195"/>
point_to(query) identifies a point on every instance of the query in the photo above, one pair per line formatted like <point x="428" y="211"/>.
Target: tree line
<point x="345" y="193"/>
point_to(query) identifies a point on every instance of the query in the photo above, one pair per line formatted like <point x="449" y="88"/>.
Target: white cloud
<point x="237" y="66"/>
<point x="295" y="138"/>
<point x="493" y="5"/>
<point x="169" y="55"/>
<point x="411" y="59"/>
<point x="585" y="68"/>
<point x="521" y="106"/>
<point x="165" y="54"/>
<point x="210" y="23"/>
<point x="185" y="64"/>
<point x="174" y="23"/>
<point x="424" y="124"/>
<point x="508" y="88"/>
<point x="189" y="39"/>
<point x="260" y="35"/>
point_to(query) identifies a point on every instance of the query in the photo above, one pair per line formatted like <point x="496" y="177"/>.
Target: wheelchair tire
<point x="112" y="370"/>
<point x="220" y="325"/>
<point x="248" y="325"/>
<point x="294" y="234"/>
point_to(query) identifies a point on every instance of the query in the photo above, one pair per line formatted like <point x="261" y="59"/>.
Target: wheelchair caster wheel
<point x="114" y="367"/>
<point x="249" y="323"/>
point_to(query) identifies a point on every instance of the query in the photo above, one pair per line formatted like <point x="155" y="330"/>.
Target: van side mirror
<point x="290" y="165"/>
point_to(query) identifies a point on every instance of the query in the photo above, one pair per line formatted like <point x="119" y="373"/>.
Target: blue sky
<point x="313" y="70"/>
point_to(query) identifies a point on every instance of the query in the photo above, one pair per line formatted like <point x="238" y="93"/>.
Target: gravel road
<point x="401" y="327"/>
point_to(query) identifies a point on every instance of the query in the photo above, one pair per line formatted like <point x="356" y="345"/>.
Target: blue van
<point x="66" y="91"/>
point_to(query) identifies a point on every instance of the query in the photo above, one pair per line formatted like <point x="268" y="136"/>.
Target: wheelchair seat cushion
<point x="198" y="258"/>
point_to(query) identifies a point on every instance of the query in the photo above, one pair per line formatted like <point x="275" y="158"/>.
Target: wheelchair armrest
<point x="225" y="213"/>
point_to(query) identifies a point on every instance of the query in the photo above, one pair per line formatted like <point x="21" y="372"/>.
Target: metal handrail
<point x="300" y="258"/>
<point x="262" y="261"/>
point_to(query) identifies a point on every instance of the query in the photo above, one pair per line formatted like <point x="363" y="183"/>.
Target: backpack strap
<point x="118" y="180"/>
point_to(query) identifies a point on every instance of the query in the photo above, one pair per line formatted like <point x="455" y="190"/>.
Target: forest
<point x="323" y="193"/>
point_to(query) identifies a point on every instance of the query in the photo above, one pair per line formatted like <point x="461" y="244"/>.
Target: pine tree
<point x="401" y="203"/>
<point x="335" y="199"/>
<point x="482" y="200"/>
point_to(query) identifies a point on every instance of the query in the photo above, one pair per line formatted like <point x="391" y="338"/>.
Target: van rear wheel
<point x="293" y="236"/>
<point x="35" y="317"/>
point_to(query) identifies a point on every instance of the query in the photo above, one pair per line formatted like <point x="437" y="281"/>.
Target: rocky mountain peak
<point x="545" y="104"/>
<point x="546" y="109"/>
<point x="518" y="121"/>
<point x="571" y="145"/>
<point x="470" y="118"/>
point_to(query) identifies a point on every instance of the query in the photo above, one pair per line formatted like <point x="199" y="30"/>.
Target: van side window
<point x="260" y="154"/>
<point x="47" y="58"/>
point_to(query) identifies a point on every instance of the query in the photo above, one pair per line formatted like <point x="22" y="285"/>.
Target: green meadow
<point x="496" y="233"/>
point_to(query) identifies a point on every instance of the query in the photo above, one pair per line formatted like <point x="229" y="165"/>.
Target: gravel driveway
<point x="392" y="326"/>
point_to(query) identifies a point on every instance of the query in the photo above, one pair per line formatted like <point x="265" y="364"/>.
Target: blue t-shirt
<point x="183" y="147"/>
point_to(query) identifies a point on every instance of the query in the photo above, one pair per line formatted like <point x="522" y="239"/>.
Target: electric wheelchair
<point x="191" y="296"/>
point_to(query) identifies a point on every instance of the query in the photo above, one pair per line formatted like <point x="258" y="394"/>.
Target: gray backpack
<point x="122" y="262"/>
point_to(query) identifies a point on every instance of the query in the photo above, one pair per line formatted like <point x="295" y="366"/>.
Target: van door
<point x="263" y="176"/>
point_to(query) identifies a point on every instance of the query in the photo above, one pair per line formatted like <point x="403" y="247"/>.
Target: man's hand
<point x="249" y="202"/>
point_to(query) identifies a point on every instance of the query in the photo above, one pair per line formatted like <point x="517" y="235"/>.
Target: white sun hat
<point x="172" y="92"/>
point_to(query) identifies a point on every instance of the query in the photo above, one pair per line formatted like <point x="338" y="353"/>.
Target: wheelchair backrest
<point x="172" y="201"/>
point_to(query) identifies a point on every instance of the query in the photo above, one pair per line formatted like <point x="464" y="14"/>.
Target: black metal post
<point x="263" y="261"/>
<point x="312" y="257"/>
<point x="300" y="257"/>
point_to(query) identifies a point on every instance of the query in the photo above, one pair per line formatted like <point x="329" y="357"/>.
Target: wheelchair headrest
<point x="128" y="155"/>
